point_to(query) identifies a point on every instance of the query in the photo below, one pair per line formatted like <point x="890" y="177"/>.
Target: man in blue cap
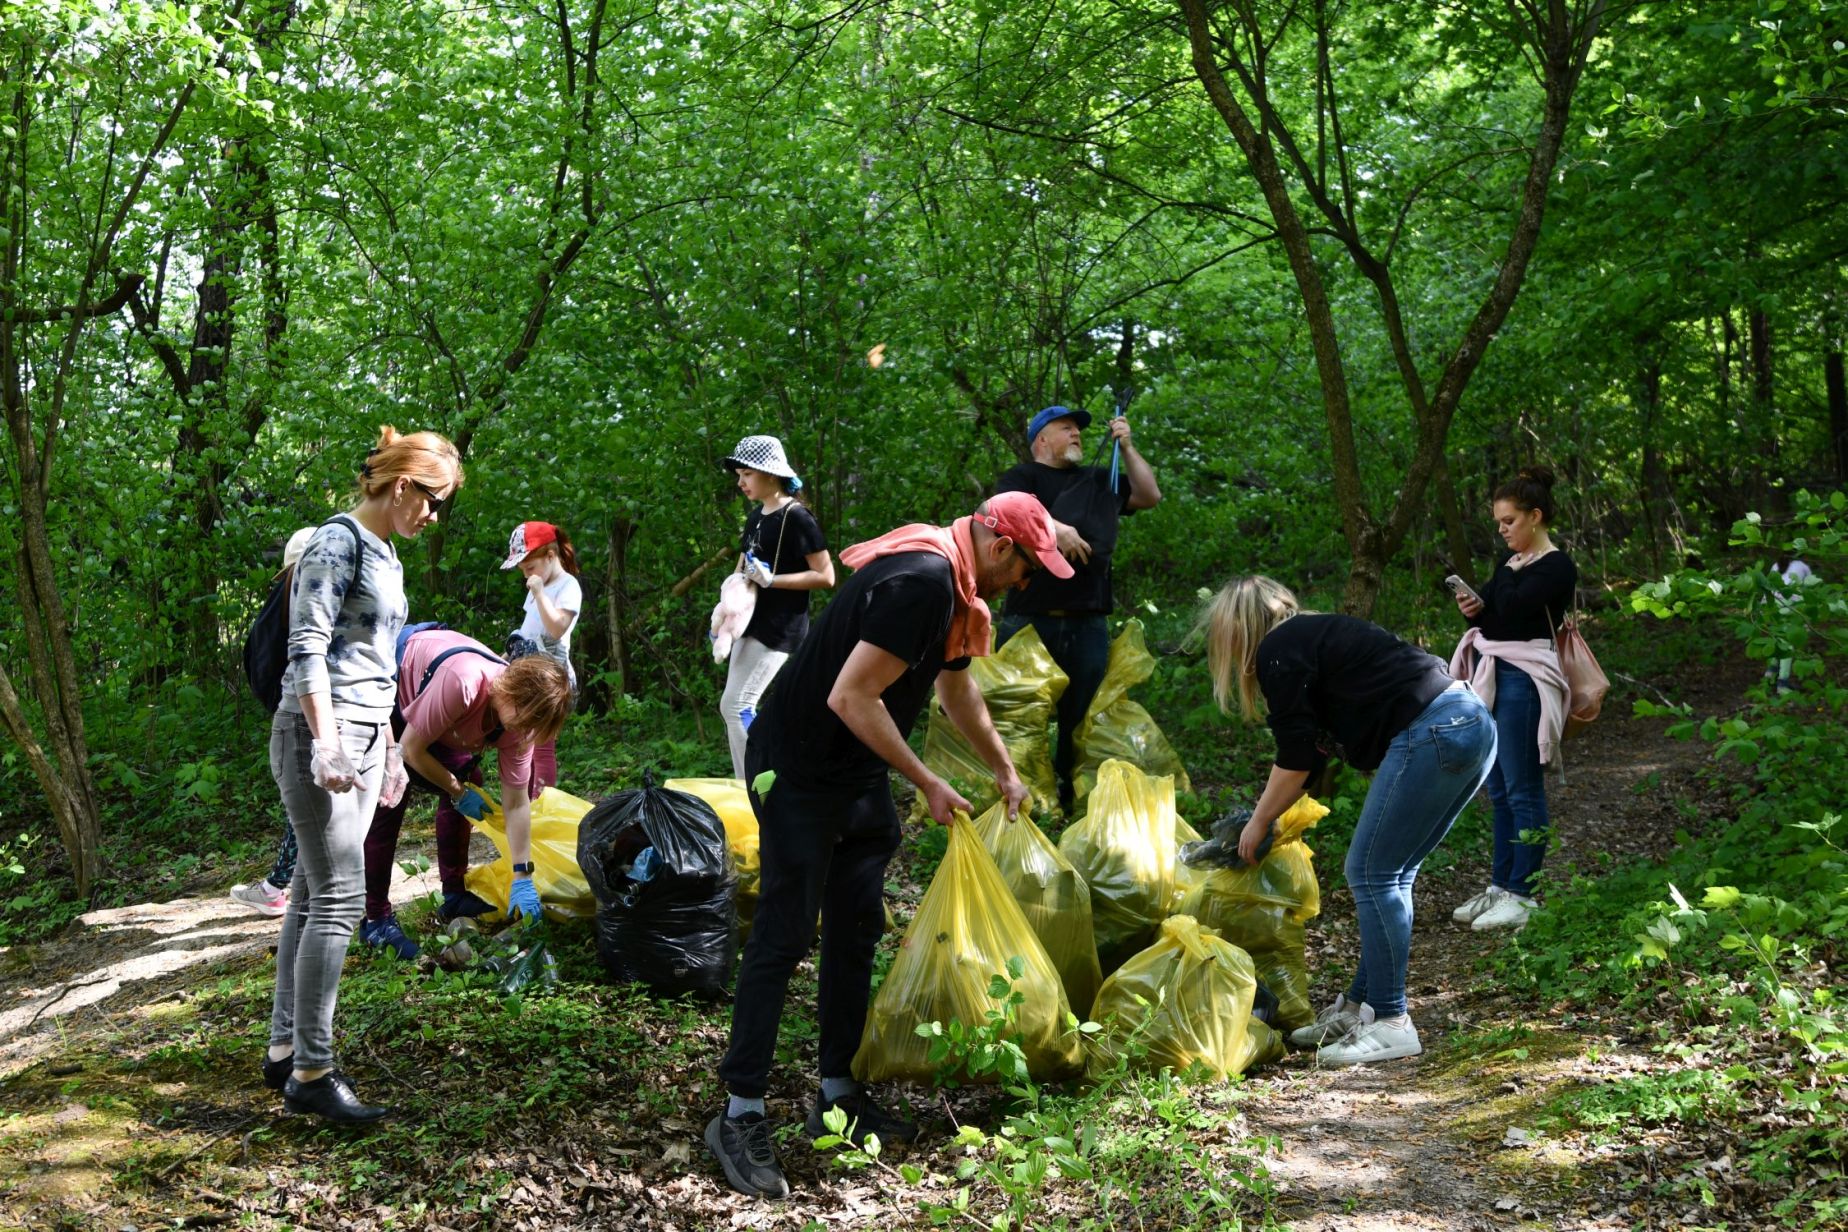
<point x="1072" y="614"/>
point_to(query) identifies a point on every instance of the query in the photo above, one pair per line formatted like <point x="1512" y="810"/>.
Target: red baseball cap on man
<point x="527" y="538"/>
<point x="1021" y="517"/>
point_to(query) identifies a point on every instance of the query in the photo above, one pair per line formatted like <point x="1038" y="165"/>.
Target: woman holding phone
<point x="1509" y="655"/>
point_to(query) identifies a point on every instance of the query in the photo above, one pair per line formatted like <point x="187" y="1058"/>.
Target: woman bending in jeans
<point x="1516" y="670"/>
<point x="328" y="750"/>
<point x="1338" y="686"/>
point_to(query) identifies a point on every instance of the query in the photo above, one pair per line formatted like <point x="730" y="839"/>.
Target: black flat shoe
<point x="276" y="1073"/>
<point x="331" y="1098"/>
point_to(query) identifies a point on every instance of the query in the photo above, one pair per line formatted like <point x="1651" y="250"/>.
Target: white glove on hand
<point x="757" y="572"/>
<point x="396" y="779"/>
<point x="332" y="769"/>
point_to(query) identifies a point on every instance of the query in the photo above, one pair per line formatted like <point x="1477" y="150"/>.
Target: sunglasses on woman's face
<point x="437" y="503"/>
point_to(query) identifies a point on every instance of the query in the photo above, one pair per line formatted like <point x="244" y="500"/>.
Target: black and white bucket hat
<point x="760" y="453"/>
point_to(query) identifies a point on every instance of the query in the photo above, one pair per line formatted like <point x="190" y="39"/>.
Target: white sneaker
<point x="1468" y="912"/>
<point x="1509" y="911"/>
<point x="258" y="896"/>
<point x="1371" y="1041"/>
<point x="1332" y="1023"/>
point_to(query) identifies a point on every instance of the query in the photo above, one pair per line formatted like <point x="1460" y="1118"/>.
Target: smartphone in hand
<point x="1460" y="588"/>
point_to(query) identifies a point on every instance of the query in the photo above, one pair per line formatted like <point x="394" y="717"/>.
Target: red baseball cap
<point x="1021" y="517"/>
<point x="528" y="537"/>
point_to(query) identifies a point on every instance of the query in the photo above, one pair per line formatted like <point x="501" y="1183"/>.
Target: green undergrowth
<point x="1724" y="956"/>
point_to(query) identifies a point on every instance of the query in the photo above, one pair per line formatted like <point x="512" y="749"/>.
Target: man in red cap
<point x="831" y="729"/>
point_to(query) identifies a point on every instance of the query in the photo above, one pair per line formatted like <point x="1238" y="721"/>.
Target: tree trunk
<point x="1838" y="412"/>
<point x="1559" y="46"/>
<point x="1456" y="536"/>
<point x="616" y="599"/>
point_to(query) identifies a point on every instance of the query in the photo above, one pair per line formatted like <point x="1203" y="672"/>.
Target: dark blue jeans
<point x="1080" y="645"/>
<point x="1517" y="789"/>
<point x="1430" y="771"/>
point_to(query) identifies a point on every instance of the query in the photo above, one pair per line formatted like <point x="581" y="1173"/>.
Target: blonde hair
<point x="1236" y="620"/>
<point x="538" y="689"/>
<point x="422" y="457"/>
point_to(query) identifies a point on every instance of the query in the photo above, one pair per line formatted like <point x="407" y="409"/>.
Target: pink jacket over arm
<point x="1474" y="661"/>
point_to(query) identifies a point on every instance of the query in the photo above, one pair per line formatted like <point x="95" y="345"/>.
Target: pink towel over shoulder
<point x="970" y="621"/>
<point x="1474" y="661"/>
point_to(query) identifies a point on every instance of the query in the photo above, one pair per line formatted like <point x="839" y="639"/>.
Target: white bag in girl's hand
<point x="732" y="614"/>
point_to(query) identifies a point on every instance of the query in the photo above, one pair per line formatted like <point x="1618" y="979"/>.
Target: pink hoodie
<point x="1474" y="661"/>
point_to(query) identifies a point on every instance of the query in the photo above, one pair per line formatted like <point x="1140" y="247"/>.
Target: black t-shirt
<point x="902" y="604"/>
<point x="1519" y="605"/>
<point x="781" y="618"/>
<point x="1080" y="497"/>
<point x="1344" y="687"/>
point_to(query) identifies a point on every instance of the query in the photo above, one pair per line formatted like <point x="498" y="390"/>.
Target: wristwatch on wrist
<point x="523" y="870"/>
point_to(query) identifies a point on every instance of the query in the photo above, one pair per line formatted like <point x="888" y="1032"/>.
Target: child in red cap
<point x="543" y="555"/>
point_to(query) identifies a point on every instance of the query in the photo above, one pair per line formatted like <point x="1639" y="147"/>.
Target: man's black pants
<point x="823" y="850"/>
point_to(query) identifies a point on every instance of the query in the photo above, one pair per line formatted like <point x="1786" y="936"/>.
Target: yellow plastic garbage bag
<point x="1021" y="685"/>
<point x="1051" y="894"/>
<point x="1116" y="727"/>
<point x="1198" y="990"/>
<point x="563" y="892"/>
<point x="733" y="805"/>
<point x="1127" y="850"/>
<point x="1262" y="910"/>
<point x="967" y="928"/>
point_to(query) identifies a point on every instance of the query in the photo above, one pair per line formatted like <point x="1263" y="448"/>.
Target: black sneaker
<point x="464" y="905"/>
<point x="742" y="1146"/>
<point x="864" y="1117"/>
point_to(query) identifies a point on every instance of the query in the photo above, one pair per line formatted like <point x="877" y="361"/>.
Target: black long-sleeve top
<point x="1519" y="605"/>
<point x="1337" y="685"/>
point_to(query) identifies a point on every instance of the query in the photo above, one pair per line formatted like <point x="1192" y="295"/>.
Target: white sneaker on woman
<point x="260" y="897"/>
<point x="1509" y="911"/>
<point x="1335" y="1021"/>
<point x="1467" y="913"/>
<point x="1371" y="1040"/>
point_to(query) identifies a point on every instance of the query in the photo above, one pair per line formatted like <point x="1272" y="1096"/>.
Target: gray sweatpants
<point x="753" y="666"/>
<point x="328" y="896"/>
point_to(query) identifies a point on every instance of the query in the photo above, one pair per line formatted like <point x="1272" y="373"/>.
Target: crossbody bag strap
<point x="490" y="737"/>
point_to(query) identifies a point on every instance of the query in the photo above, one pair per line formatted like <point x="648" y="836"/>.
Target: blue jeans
<point x="1430" y="771"/>
<point x="1517" y="789"/>
<point x="1080" y="645"/>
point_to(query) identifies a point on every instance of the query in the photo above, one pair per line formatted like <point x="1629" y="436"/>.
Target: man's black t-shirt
<point x="1080" y="497"/>
<point x="784" y="540"/>
<point x="1343" y="686"/>
<point x="902" y="604"/>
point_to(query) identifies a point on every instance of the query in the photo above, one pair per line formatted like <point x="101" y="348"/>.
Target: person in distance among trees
<point x="548" y="564"/>
<point x="1072" y="613"/>
<point x="833" y="726"/>
<point x="785" y="555"/>
<point x="1512" y="659"/>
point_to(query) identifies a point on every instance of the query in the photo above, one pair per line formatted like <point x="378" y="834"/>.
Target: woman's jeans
<point x="327" y="891"/>
<point x="1517" y="787"/>
<point x="1430" y="771"/>
<point x="753" y="666"/>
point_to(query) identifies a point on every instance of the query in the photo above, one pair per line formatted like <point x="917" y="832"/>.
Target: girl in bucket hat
<point x="548" y="564"/>
<point x="784" y="554"/>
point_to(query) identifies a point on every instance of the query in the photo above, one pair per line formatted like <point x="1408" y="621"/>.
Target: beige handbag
<point x="1586" y="683"/>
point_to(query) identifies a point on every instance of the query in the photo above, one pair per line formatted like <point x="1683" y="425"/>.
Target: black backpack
<point x="266" y="642"/>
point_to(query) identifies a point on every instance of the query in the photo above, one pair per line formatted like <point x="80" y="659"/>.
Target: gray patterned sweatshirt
<point x="345" y="644"/>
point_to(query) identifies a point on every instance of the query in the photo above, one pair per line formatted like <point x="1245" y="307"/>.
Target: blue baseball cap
<point x="1039" y="421"/>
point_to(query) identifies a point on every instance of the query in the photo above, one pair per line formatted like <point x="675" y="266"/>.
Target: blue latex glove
<point x="522" y="899"/>
<point x="472" y="804"/>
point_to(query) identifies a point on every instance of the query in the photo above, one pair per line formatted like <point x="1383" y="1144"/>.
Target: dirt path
<point x="1446" y="1141"/>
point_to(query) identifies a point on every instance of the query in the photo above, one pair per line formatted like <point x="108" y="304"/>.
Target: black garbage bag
<point x="661" y="870"/>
